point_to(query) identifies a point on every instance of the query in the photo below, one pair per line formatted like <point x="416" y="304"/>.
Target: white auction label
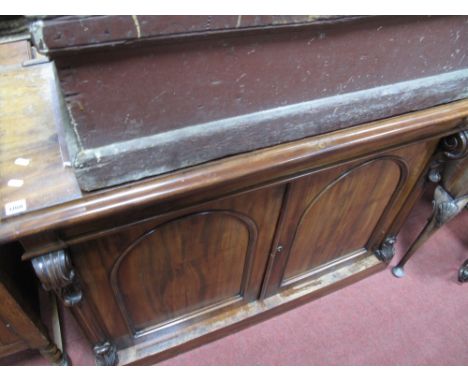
<point x="15" y="207"/>
<point x="22" y="161"/>
<point x="15" y="182"/>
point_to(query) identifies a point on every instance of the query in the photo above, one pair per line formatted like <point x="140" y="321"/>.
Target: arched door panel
<point x="339" y="219"/>
<point x="173" y="271"/>
<point x="334" y="217"/>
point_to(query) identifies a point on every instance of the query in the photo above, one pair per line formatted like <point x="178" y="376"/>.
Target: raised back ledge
<point x="161" y="153"/>
<point x="228" y="176"/>
<point x="128" y="142"/>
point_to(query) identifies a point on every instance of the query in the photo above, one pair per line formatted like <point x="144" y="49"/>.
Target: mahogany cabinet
<point x="173" y="209"/>
<point x="192" y="267"/>
<point x="155" y="267"/>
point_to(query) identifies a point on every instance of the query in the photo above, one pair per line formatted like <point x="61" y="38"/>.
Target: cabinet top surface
<point x="33" y="170"/>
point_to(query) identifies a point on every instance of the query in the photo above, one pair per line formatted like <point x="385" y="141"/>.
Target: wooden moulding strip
<point x="85" y="32"/>
<point x="157" y="348"/>
<point x="230" y="175"/>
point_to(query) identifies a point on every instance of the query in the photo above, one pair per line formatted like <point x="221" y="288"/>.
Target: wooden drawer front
<point x="161" y="273"/>
<point x="338" y="214"/>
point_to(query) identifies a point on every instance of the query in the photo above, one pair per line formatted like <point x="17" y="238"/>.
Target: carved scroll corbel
<point x="463" y="272"/>
<point x="56" y="273"/>
<point x="105" y="354"/>
<point x="387" y="250"/>
<point x="456" y="146"/>
<point x="451" y="148"/>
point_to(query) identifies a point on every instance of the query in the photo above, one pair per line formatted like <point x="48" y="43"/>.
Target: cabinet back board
<point x="180" y="94"/>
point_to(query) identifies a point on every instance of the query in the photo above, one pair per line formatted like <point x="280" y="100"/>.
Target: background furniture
<point x="450" y="169"/>
<point x="21" y="327"/>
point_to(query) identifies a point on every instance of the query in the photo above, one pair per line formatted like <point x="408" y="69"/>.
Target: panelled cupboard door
<point x="158" y="275"/>
<point x="338" y="214"/>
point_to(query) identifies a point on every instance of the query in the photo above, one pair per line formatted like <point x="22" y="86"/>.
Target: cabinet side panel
<point x="7" y="336"/>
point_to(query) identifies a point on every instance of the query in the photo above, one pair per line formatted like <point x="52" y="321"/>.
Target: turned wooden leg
<point x="54" y="355"/>
<point x="445" y="209"/>
<point x="17" y="317"/>
<point x="56" y="273"/>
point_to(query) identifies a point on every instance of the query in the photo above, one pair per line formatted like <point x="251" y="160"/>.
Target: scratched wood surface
<point x="149" y="95"/>
<point x="14" y="52"/>
<point x="88" y="31"/>
<point x="32" y="172"/>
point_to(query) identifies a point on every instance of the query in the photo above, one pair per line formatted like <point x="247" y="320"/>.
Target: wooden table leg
<point x="445" y="209"/>
<point x="52" y="353"/>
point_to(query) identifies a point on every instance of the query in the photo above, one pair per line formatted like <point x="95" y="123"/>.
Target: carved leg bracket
<point x="56" y="273"/>
<point x="451" y="148"/>
<point x="463" y="272"/>
<point x="387" y="250"/>
<point x="106" y="354"/>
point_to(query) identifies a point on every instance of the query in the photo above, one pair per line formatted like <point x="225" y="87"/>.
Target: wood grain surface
<point x="334" y="217"/>
<point x="14" y="53"/>
<point x="337" y="214"/>
<point x="32" y="170"/>
<point x="160" y="275"/>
